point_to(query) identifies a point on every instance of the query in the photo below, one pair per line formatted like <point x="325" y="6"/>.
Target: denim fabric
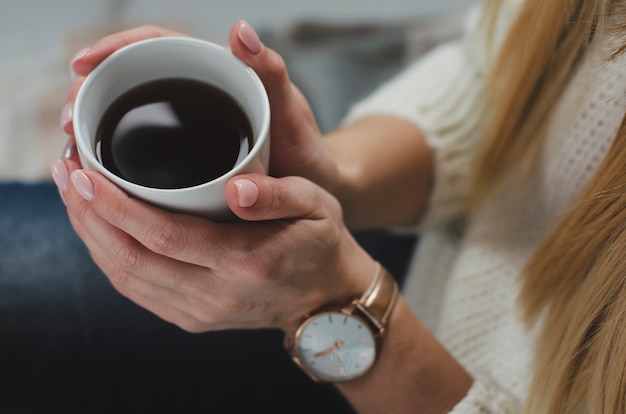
<point x="70" y="344"/>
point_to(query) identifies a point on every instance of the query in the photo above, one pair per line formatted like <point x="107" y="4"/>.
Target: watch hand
<point x="325" y="352"/>
<point x="330" y="349"/>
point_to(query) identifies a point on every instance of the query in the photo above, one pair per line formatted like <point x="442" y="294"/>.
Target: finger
<point x="269" y="65"/>
<point x="271" y="69"/>
<point x="128" y="260"/>
<point x="168" y="304"/>
<point x="292" y="119"/>
<point x="69" y="152"/>
<point x="162" y="310"/>
<point x="193" y="313"/>
<point x="85" y="60"/>
<point x="70" y="156"/>
<point x="286" y="100"/>
<point x="160" y="293"/>
<point x="185" y="238"/>
<point x="67" y="112"/>
<point x="65" y="165"/>
<point x="89" y="58"/>
<point x="258" y="197"/>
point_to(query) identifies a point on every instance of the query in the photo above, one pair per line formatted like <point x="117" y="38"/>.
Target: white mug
<point x="174" y="57"/>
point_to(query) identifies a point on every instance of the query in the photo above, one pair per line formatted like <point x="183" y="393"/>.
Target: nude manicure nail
<point x="79" y="55"/>
<point x="60" y="174"/>
<point x="66" y="114"/>
<point x="248" y="193"/>
<point x="83" y="185"/>
<point x="68" y="151"/>
<point x="249" y="38"/>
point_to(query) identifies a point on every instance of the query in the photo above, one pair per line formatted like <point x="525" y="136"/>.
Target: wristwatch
<point x="341" y="344"/>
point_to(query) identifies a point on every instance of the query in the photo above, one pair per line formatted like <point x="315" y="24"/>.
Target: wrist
<point x="350" y="278"/>
<point x="341" y="343"/>
<point x="414" y="372"/>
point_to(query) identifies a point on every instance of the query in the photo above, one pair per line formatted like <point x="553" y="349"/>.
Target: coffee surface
<point x="173" y="133"/>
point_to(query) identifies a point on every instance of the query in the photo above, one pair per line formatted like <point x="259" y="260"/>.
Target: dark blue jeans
<point x="70" y="344"/>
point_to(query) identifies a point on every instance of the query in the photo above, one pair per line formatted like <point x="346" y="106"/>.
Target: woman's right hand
<point x="296" y="143"/>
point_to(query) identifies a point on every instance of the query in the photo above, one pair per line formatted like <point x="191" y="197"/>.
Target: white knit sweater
<point x="464" y="278"/>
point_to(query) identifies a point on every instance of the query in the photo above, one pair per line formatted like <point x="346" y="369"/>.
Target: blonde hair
<point x="576" y="280"/>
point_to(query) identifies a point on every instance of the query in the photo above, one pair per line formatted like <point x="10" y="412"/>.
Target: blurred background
<point x="39" y="37"/>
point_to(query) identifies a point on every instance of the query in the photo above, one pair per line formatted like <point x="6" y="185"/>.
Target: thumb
<point x="290" y="108"/>
<point x="258" y="197"/>
<point x="269" y="65"/>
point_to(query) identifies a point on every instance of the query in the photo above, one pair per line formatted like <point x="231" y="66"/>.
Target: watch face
<point x="336" y="347"/>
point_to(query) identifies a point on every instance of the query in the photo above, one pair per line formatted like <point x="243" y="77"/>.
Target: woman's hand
<point x="291" y="252"/>
<point x="296" y="144"/>
<point x="87" y="59"/>
<point x="294" y="255"/>
<point x="379" y="168"/>
<point x="291" y="255"/>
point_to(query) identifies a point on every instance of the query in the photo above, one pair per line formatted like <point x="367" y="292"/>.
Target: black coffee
<point x="173" y="133"/>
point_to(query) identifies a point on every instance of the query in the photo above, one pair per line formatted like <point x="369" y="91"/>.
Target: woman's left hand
<point x="289" y="255"/>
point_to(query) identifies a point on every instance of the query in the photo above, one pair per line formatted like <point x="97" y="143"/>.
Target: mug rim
<point x="83" y="143"/>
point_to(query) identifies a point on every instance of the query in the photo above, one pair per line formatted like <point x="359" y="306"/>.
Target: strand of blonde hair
<point x="575" y="283"/>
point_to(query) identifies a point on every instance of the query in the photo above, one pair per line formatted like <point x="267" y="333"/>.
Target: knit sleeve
<point x="440" y="94"/>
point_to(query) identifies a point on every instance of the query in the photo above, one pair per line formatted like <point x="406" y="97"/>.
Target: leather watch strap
<point x="380" y="297"/>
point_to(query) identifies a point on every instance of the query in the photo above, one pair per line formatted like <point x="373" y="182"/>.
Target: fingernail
<point x="248" y="192"/>
<point x="68" y="151"/>
<point x="66" y="114"/>
<point x="83" y="185"/>
<point x="79" y="55"/>
<point x="60" y="174"/>
<point x="62" y="197"/>
<point x="249" y="38"/>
